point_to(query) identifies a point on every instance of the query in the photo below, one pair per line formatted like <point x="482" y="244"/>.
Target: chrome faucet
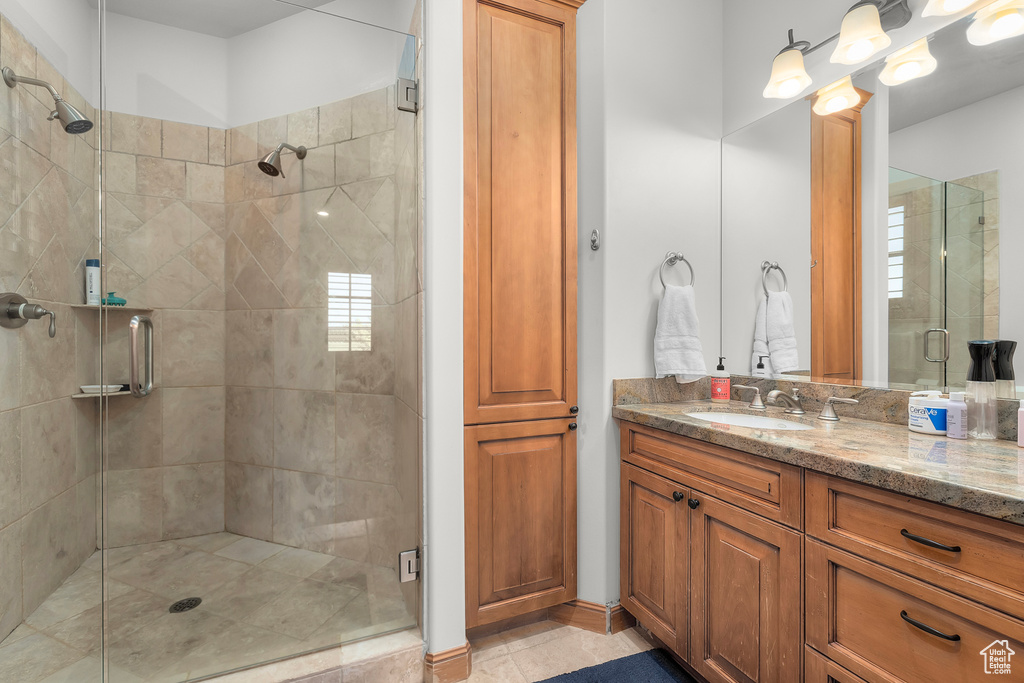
<point x="777" y="397"/>
<point x="15" y="311"/>
<point x="757" y="403"/>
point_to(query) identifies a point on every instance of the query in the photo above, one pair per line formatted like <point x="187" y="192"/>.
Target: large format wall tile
<point x="304" y="510"/>
<point x="134" y="506"/>
<point x="193" y="500"/>
<point x="248" y="500"/>
<point x="10" y="467"/>
<point x="249" y="426"/>
<point x="304" y="431"/>
<point x="48" y="464"/>
<point x="194" y="419"/>
<point x="10" y="579"/>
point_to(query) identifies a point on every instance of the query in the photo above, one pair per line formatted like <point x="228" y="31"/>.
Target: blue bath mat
<point x="653" y="666"/>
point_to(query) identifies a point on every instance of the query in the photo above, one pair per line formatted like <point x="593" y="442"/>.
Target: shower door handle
<point x="140" y="389"/>
<point x="945" y="345"/>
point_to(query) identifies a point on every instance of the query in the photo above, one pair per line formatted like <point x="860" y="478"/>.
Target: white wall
<point x="67" y="33"/>
<point x="981" y="137"/>
<point x="756" y="31"/>
<point x="766" y="215"/>
<point x="166" y="73"/>
<point x="874" y="191"/>
<point x="444" y="548"/>
<point x="649" y="131"/>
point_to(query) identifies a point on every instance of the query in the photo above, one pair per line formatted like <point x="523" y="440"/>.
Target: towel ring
<point x="671" y="259"/>
<point x="766" y="267"/>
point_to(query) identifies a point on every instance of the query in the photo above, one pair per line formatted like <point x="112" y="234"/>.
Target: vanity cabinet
<point x="753" y="571"/>
<point x="716" y="581"/>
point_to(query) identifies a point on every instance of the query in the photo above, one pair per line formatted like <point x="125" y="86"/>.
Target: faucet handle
<point x="757" y="403"/>
<point x="828" y="412"/>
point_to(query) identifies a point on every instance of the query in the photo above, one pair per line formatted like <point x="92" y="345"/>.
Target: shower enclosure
<point x="943" y="277"/>
<point x="251" y="188"/>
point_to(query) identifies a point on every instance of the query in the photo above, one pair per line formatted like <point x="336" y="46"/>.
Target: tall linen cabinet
<point x="520" y="306"/>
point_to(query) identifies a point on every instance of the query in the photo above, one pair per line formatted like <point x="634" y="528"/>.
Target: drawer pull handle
<point x="929" y="542"/>
<point x="693" y="503"/>
<point x="678" y="496"/>
<point x="927" y="629"/>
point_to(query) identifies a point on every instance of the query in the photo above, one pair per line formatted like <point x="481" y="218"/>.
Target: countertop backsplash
<point x="878" y="405"/>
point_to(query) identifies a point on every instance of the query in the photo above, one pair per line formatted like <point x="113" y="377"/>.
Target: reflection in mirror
<point x="896" y="223"/>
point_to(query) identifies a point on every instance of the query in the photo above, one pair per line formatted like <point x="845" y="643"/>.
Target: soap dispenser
<point x="982" y="405"/>
<point x="1006" y="383"/>
<point x="760" y="370"/>
<point x="721" y="383"/>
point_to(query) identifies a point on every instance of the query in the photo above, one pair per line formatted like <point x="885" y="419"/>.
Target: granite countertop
<point x="986" y="477"/>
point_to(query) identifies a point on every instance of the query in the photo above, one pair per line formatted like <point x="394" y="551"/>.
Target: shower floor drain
<point x="185" y="605"/>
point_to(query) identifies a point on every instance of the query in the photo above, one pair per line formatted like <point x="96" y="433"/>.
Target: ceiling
<point x="220" y="18"/>
<point x="966" y="74"/>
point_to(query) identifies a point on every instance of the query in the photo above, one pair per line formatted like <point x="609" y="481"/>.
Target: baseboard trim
<point x="588" y="616"/>
<point x="448" y="666"/>
<point x="619" y="620"/>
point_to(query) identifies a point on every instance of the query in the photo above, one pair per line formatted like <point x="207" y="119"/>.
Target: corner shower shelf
<point x="123" y="309"/>
<point x="115" y="393"/>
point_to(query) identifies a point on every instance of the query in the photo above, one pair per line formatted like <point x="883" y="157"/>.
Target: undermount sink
<point x="752" y="421"/>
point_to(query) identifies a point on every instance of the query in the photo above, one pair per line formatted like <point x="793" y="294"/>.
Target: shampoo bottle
<point x="956" y="416"/>
<point x="721" y="384"/>
<point x="92" y="282"/>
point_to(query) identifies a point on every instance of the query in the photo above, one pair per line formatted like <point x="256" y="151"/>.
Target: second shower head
<point x="271" y="164"/>
<point x="71" y="120"/>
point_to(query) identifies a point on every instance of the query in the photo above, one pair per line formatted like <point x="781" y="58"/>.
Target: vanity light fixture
<point x="944" y="8"/>
<point x="906" y="64"/>
<point x="861" y="35"/>
<point x="836" y="97"/>
<point x="789" y="77"/>
<point x="1001" y="20"/>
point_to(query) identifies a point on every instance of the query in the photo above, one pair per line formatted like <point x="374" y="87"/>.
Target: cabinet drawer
<point x="765" y="487"/>
<point x="985" y="559"/>
<point x="819" y="669"/>
<point x="861" y="616"/>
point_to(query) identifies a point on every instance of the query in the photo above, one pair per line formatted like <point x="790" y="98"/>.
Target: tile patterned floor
<point x="261" y="601"/>
<point x="539" y="651"/>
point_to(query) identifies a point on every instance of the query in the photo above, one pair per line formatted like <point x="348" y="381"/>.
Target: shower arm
<point x="12" y="77"/>
<point x="300" y="151"/>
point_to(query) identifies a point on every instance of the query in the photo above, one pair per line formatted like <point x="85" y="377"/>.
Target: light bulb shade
<point x="836" y="97"/>
<point x="860" y="36"/>
<point x="944" y="8"/>
<point x="906" y="64"/>
<point x="789" y="77"/>
<point x="1001" y="20"/>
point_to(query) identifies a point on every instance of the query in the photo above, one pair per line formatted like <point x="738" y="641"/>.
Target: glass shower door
<point x="261" y="207"/>
<point x="936" y="280"/>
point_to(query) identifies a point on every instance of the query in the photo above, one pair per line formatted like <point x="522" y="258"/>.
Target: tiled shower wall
<point x="165" y="229"/>
<point x="48" y="453"/>
<point x="321" y="444"/>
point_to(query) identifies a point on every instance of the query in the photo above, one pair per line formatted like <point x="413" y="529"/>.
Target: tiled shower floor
<point x="260" y="601"/>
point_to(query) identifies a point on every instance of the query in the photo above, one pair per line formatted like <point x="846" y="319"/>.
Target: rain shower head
<point x="71" y="120"/>
<point x="271" y="164"/>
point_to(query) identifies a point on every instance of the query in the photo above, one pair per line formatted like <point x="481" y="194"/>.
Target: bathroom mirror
<point x="894" y="225"/>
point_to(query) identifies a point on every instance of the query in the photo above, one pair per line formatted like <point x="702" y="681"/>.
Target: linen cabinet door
<point x="520" y="518"/>
<point x="745" y="596"/>
<point x="520" y="211"/>
<point x="654" y="560"/>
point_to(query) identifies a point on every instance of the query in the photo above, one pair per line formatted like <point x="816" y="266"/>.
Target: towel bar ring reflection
<point x="671" y="259"/>
<point x="767" y="266"/>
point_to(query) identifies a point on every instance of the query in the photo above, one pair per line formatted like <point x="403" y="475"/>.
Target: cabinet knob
<point x="574" y="410"/>
<point x="572" y="426"/>
<point x="678" y="496"/>
<point x="693" y="503"/>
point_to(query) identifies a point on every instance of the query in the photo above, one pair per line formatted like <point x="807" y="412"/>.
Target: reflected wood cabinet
<point x="882" y="588"/>
<point x="519" y="305"/>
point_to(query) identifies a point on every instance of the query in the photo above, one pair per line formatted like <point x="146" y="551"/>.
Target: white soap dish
<point x="95" y="388"/>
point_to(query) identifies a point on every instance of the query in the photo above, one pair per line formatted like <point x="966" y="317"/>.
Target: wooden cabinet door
<point x="745" y="610"/>
<point x="836" y="245"/>
<point x="654" y="554"/>
<point x="520" y="518"/>
<point x="520" y="210"/>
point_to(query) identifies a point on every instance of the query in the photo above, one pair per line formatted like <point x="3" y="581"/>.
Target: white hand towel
<point x="775" y="335"/>
<point x="677" y="349"/>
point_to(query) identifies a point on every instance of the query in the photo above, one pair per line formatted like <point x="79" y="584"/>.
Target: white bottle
<point x="956" y="416"/>
<point x="1020" y="425"/>
<point x="760" y="370"/>
<point x="92" y="282"/>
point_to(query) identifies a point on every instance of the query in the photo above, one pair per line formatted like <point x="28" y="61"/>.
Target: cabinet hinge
<point x="409" y="565"/>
